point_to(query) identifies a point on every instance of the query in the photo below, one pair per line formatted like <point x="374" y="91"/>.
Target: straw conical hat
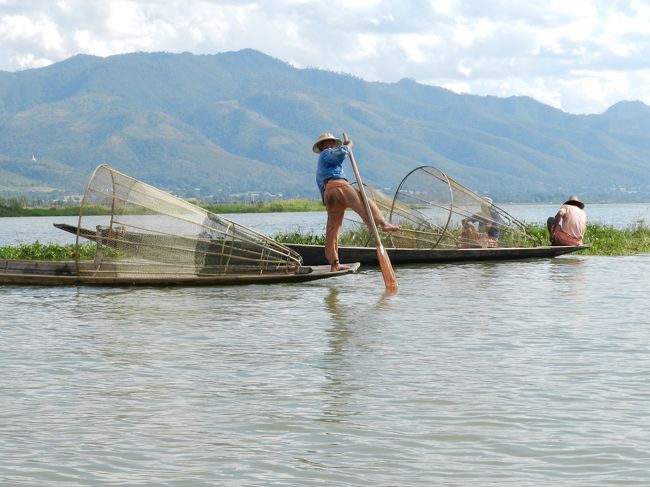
<point x="321" y="138"/>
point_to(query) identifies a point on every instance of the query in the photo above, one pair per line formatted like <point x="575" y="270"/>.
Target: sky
<point x="581" y="56"/>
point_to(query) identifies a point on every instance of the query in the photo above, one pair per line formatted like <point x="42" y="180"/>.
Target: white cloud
<point x="581" y="56"/>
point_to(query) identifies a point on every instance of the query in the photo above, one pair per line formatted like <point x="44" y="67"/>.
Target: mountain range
<point x="233" y="123"/>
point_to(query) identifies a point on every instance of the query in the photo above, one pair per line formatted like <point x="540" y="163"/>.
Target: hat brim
<point x="579" y="204"/>
<point x="315" y="148"/>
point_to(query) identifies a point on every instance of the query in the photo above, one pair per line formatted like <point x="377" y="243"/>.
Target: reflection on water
<point x="338" y="389"/>
<point x="332" y="302"/>
<point x="525" y="373"/>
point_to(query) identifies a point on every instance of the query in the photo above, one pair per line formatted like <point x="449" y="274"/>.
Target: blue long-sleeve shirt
<point x="330" y="166"/>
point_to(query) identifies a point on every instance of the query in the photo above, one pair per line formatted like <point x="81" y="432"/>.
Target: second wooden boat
<point x="315" y="254"/>
<point x="441" y="221"/>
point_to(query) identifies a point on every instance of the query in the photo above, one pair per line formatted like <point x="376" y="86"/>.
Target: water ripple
<point x="516" y="373"/>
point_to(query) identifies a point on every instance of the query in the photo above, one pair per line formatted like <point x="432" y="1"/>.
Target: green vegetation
<point x="275" y="206"/>
<point x="606" y="240"/>
<point x="351" y="238"/>
<point x="301" y="238"/>
<point x="13" y="207"/>
<point x="47" y="251"/>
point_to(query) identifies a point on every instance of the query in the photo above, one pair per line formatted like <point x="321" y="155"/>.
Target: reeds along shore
<point x="16" y="208"/>
<point x="607" y="240"/>
<point x="47" y="251"/>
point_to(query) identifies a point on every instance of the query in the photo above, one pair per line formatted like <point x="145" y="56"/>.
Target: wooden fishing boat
<point x="315" y="254"/>
<point x="48" y="273"/>
<point x="146" y="236"/>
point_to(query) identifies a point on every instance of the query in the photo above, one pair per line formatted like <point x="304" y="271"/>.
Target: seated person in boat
<point x="568" y="225"/>
<point x="338" y="195"/>
<point x="482" y="228"/>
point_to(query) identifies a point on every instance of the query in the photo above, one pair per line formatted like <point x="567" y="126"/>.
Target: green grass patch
<point x="300" y="238"/>
<point x="351" y="238"/>
<point x="606" y="240"/>
<point x="276" y="206"/>
<point x="47" y="251"/>
<point x="13" y="209"/>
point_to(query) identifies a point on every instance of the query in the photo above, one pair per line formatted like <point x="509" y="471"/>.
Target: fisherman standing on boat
<point x="569" y="224"/>
<point x="338" y="195"/>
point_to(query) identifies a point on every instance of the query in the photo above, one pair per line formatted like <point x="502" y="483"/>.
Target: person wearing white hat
<point x="338" y="195"/>
<point x="568" y="226"/>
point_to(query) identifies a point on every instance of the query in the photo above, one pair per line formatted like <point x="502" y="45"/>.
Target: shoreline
<point x="276" y="206"/>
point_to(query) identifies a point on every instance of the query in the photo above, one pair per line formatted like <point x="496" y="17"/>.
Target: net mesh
<point x="147" y="233"/>
<point x="435" y="211"/>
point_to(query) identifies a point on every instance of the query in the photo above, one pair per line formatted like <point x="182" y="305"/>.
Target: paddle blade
<point x="386" y="270"/>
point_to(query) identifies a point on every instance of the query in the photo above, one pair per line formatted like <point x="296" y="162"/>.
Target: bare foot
<point x="389" y="227"/>
<point x="339" y="267"/>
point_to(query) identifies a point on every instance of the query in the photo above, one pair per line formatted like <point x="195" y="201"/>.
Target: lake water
<point x="527" y="373"/>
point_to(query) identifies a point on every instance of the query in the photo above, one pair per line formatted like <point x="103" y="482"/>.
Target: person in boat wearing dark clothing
<point x="568" y="225"/>
<point x="487" y="233"/>
<point x="338" y="195"/>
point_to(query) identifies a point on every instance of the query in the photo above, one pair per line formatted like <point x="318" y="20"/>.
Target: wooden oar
<point x="384" y="262"/>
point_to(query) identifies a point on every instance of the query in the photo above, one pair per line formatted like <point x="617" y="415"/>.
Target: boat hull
<point x="46" y="273"/>
<point x="315" y="254"/>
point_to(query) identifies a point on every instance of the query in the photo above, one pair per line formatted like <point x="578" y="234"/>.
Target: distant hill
<point x="216" y="125"/>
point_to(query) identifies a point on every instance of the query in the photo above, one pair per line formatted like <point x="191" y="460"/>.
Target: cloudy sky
<point x="581" y="56"/>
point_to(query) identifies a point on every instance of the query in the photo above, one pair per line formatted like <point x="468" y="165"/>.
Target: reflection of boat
<point x="441" y="221"/>
<point x="315" y="254"/>
<point x="149" y="237"/>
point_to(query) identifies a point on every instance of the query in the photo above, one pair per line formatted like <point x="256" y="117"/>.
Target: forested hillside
<point x="214" y="126"/>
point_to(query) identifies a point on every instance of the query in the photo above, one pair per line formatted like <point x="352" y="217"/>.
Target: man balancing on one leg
<point x="338" y="195"/>
<point x="569" y="224"/>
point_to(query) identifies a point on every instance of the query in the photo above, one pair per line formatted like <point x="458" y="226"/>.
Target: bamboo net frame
<point x="150" y="233"/>
<point x="435" y="211"/>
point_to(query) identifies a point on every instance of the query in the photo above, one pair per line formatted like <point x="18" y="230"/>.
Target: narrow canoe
<point x="315" y="254"/>
<point x="48" y="273"/>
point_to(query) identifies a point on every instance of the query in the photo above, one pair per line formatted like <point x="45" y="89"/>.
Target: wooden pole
<point x="384" y="261"/>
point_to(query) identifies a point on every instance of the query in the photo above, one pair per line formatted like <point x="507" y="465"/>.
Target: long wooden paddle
<point x="384" y="262"/>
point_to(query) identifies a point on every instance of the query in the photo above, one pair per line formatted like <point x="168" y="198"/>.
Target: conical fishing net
<point x="148" y="233"/>
<point x="432" y="208"/>
<point x="436" y="211"/>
